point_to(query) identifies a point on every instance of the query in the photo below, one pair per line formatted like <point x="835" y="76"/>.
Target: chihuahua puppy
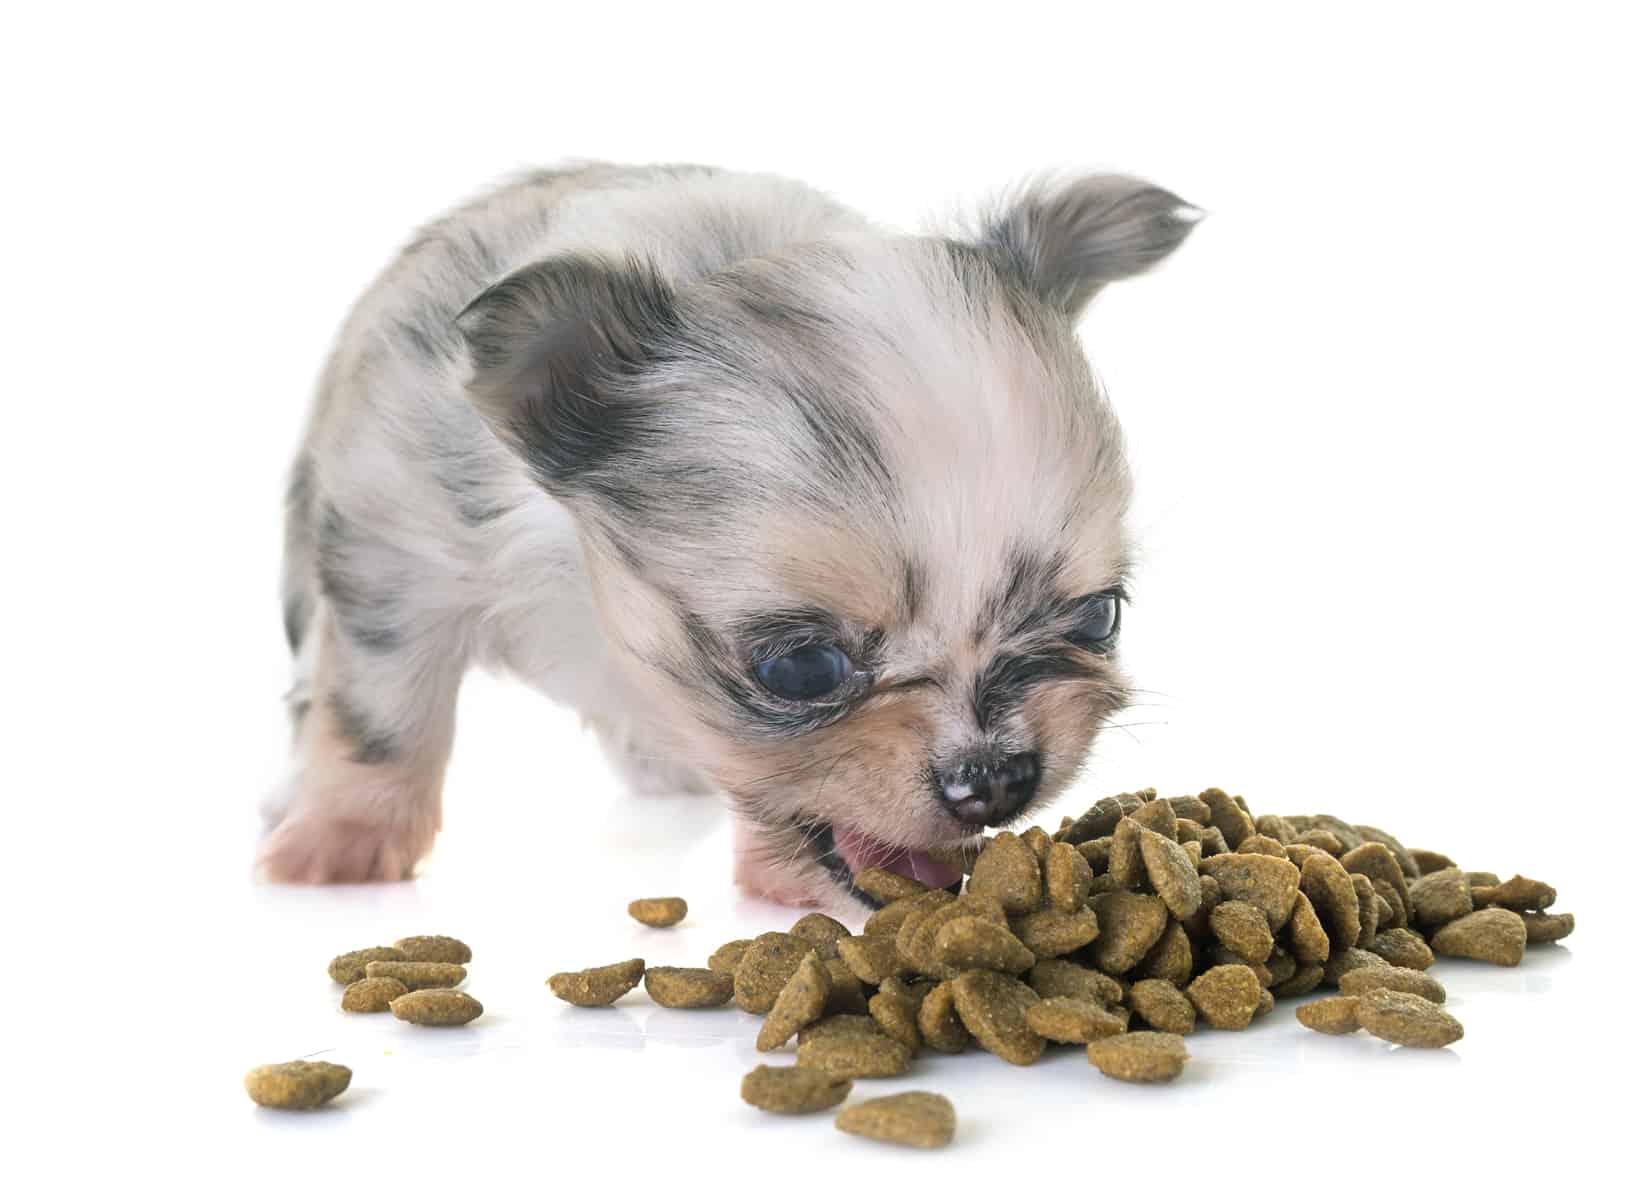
<point x="823" y="518"/>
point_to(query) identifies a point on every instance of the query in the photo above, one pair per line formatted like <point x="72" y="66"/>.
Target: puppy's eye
<point x="1101" y="620"/>
<point x="805" y="673"/>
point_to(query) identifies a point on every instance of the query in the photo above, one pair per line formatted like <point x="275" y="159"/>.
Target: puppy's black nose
<point x="989" y="791"/>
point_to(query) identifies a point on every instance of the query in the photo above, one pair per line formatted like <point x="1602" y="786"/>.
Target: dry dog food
<point x="433" y="948"/>
<point x="687" y="987"/>
<point x="854" y="1056"/>
<point x="351" y="967"/>
<point x="994" y="1008"/>
<point x="725" y="960"/>
<point x="1493" y="935"/>
<point x="793" y="1090"/>
<point x="1162" y="1006"/>
<point x="296" y="1085"/>
<point x="417" y="975"/>
<point x="1406" y="1019"/>
<point x="1397" y="979"/>
<point x="372" y="995"/>
<point x="1226" y="997"/>
<point x="922" y="1119"/>
<point x="1140" y="1057"/>
<point x="597" y="986"/>
<point x="895" y="1016"/>
<point x="821" y="932"/>
<point x="436" y="1006"/>
<point x="1335" y="1014"/>
<point x="765" y="968"/>
<point x="659" y="911"/>
<point x="800" y="1002"/>
<point x="1067" y="1019"/>
<point x="940" y="1026"/>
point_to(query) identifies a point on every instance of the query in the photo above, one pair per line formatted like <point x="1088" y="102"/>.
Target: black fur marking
<point x="372" y="745"/>
<point x="1009" y="678"/>
<point x="914" y="586"/>
<point x="295" y="606"/>
<point x="1026" y="596"/>
<point x="362" y="611"/>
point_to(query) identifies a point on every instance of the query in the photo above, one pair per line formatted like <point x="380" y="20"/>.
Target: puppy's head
<point x="854" y="510"/>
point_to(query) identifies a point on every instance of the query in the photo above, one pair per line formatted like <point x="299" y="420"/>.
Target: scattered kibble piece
<point x="993" y="1007"/>
<point x="765" y="968"/>
<point x="821" y="932"/>
<point x="687" y="987"/>
<point x="1547" y="927"/>
<point x="725" y="960"/>
<point x="1397" y="979"/>
<point x="793" y="1090"/>
<point x="854" y="1056"/>
<point x="296" y="1085"/>
<point x="597" y="987"/>
<point x="433" y="948"/>
<point x="372" y="995"/>
<point x="659" y="911"/>
<point x="436" y="1006"/>
<point x="351" y="967"/>
<point x="1226" y="996"/>
<point x="1494" y="935"/>
<point x="1140" y="1057"/>
<point x="1403" y="948"/>
<point x="1334" y="1014"/>
<point x="1517" y="892"/>
<point x="1406" y="1019"/>
<point x="799" y="1003"/>
<point x="417" y="975"/>
<point x="922" y="1119"/>
<point x="1067" y="1019"/>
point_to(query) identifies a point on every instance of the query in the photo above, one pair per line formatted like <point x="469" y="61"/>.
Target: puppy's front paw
<point x="314" y="848"/>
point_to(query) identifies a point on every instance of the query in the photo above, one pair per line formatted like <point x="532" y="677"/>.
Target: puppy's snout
<point x="989" y="791"/>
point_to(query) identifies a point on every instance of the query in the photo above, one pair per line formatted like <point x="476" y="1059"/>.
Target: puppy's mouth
<point x="844" y="852"/>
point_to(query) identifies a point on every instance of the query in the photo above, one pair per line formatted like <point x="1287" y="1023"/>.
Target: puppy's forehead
<point x="957" y="455"/>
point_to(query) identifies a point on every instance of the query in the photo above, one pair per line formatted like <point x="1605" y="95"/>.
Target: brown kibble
<point x="1243" y="929"/>
<point x="1260" y="844"/>
<point x="1269" y="884"/>
<point x="659" y="911"/>
<point x="1140" y="1057"/>
<point x="1158" y="817"/>
<point x="1439" y="897"/>
<point x="1430" y="861"/>
<point x="793" y="1090"/>
<point x="1305" y="933"/>
<point x="1056" y="977"/>
<point x="1397" y="979"/>
<point x="993" y="1006"/>
<point x="972" y="942"/>
<point x="1335" y="1014"/>
<point x="372" y="995"/>
<point x="725" y="960"/>
<point x="1376" y="860"/>
<point x="895" y="1016"/>
<point x="799" y="1002"/>
<point x="1100" y="820"/>
<point x="1073" y="1021"/>
<point x="840" y="1025"/>
<point x="1305" y="979"/>
<point x="1478" y="879"/>
<point x="1517" y="892"/>
<point x="1406" y="1019"/>
<point x="1404" y="857"/>
<point x="1129" y="925"/>
<point x="1162" y="1006"/>
<point x="351" y="967"/>
<point x="1392" y="915"/>
<point x="1226" y="996"/>
<point x="1367" y="910"/>
<point x="1547" y="927"/>
<point x="940" y="1026"/>
<point x="1281" y="966"/>
<point x="1172" y="958"/>
<point x="1097" y="853"/>
<point x="433" y="947"/>
<point x="296" y="1085"/>
<point x="1228" y="817"/>
<point x="1346" y="833"/>
<point x="846" y="989"/>
<point x="436" y="1006"/>
<point x="687" y="987"/>
<point x="925" y="1120"/>
<point x="1171" y="873"/>
<point x="1224" y="956"/>
<point x="1403" y="948"/>
<point x="1278" y="829"/>
<point x="1191" y="808"/>
<point x="1068" y="876"/>
<point x="1049" y="933"/>
<point x="821" y="932"/>
<point x="766" y="967"/>
<point x="1037" y="840"/>
<point x="872" y="959"/>
<point x="1199" y="924"/>
<point x="1010" y="871"/>
<point x="417" y="975"/>
<point x="1333" y="896"/>
<point x="1494" y="935"/>
<point x="1126" y="864"/>
<point x="886" y="922"/>
<point x="597" y="986"/>
<point x="1320" y="839"/>
<point x="1345" y="961"/>
<point x="1213" y="842"/>
<point x="884" y="886"/>
<point x="854" y="1056"/>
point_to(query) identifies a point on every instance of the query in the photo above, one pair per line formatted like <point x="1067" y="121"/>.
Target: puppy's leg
<point x="373" y="734"/>
<point x="644" y="770"/>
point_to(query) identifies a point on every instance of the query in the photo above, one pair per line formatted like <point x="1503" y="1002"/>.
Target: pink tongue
<point x="859" y="851"/>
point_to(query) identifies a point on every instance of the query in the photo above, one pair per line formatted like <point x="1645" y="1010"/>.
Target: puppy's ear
<point x="540" y="340"/>
<point x="1069" y="239"/>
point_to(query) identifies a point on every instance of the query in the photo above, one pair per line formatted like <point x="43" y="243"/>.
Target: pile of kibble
<point x="1122" y="932"/>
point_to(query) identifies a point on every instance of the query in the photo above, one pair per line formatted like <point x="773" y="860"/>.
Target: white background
<point x="1386" y="410"/>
